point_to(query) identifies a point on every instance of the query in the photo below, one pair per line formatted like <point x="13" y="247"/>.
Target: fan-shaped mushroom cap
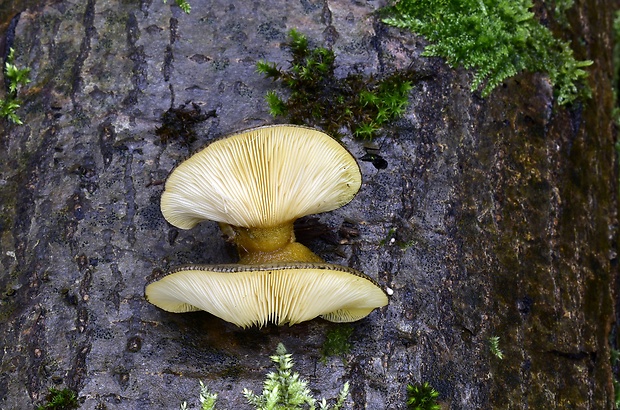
<point x="249" y="295"/>
<point x="261" y="178"/>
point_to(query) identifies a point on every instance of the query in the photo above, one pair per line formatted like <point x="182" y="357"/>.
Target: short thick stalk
<point x="270" y="245"/>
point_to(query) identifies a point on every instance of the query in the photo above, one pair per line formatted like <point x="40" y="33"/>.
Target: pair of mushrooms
<point x="256" y="184"/>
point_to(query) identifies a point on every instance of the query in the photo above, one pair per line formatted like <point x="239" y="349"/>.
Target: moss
<point x="337" y="342"/>
<point x="183" y="5"/>
<point x="393" y="237"/>
<point x="388" y="237"/>
<point x="561" y="7"/>
<point x="534" y="237"/>
<point x="57" y="399"/>
<point x="282" y="389"/>
<point x="316" y="97"/>
<point x="497" y="39"/>
<point x="14" y="79"/>
<point x="494" y="347"/>
<point x="421" y="396"/>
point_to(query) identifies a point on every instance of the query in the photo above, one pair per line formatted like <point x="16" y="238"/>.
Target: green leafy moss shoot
<point x="283" y="389"/>
<point x="15" y="78"/>
<point x="316" y="97"/>
<point x="183" y="5"/>
<point x="64" y="399"/>
<point x="421" y="396"/>
<point x="496" y="38"/>
<point x="494" y="347"/>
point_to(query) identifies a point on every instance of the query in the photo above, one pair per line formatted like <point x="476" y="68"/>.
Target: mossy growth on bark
<point x="14" y="79"/>
<point x="494" y="347"/>
<point x="283" y="389"/>
<point x="59" y="399"/>
<point x="421" y="396"/>
<point x="497" y="39"/>
<point x="316" y="97"/>
<point x="183" y="5"/>
<point x="337" y="341"/>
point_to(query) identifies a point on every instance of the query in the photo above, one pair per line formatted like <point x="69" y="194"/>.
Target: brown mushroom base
<point x="278" y="293"/>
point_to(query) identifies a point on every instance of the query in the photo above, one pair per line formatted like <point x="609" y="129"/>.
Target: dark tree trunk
<point x="502" y="211"/>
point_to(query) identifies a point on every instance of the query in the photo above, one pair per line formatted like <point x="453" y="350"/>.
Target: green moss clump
<point x="561" y="7"/>
<point x="64" y="399"/>
<point x="317" y="97"/>
<point x="337" y="341"/>
<point x="422" y="396"/>
<point x="496" y="38"/>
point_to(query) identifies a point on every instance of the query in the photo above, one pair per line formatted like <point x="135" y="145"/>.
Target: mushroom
<point x="256" y="184"/>
<point x="279" y="293"/>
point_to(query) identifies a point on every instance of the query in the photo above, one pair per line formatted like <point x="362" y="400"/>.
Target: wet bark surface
<point x="494" y="217"/>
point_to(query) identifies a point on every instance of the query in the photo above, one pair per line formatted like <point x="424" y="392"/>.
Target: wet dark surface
<point x="486" y="218"/>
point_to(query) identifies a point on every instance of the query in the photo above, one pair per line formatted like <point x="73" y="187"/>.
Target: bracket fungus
<point x="256" y="184"/>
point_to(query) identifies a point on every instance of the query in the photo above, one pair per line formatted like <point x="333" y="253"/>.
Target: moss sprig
<point x="15" y="78"/>
<point x="283" y="389"/>
<point x="207" y="399"/>
<point x="421" y="396"/>
<point x="495" y="38"/>
<point x="59" y="399"/>
<point x="182" y="4"/>
<point x="494" y="347"/>
<point x="315" y="96"/>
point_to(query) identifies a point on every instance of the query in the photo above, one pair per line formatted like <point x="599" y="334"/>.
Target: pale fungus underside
<point x="250" y="295"/>
<point x="261" y="178"/>
<point x="255" y="184"/>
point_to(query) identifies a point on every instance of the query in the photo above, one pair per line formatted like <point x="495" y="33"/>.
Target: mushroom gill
<point x="248" y="295"/>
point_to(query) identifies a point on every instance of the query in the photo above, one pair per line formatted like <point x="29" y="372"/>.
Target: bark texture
<point x="494" y="217"/>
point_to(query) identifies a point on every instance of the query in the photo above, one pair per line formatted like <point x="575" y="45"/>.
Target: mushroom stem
<point x="269" y="245"/>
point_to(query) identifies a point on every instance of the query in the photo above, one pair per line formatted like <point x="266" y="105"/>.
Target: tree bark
<point x="495" y="217"/>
